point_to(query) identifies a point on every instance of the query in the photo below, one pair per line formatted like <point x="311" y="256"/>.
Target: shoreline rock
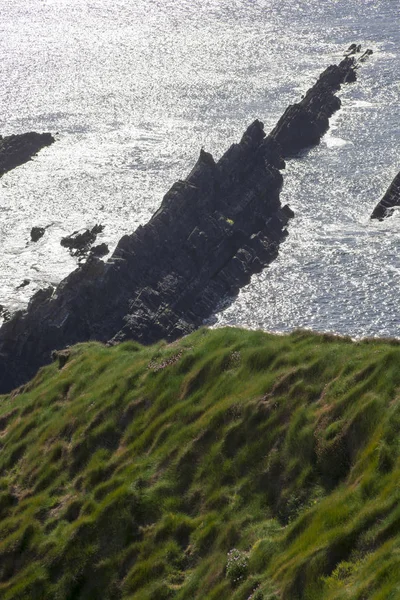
<point x="15" y="150"/>
<point x="212" y="232"/>
<point x="390" y="200"/>
<point x="79" y="243"/>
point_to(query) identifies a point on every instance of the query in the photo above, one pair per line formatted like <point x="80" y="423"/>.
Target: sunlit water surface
<point x="134" y="89"/>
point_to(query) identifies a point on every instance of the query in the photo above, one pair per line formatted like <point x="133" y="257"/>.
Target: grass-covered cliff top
<point x="231" y="464"/>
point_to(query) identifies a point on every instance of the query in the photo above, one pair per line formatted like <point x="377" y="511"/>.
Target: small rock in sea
<point x="366" y="54"/>
<point x="23" y="284"/>
<point x="352" y="49"/>
<point x="37" y="233"/>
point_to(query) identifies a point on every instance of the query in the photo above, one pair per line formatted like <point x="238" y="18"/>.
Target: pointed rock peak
<point x="206" y="158"/>
<point x="254" y="134"/>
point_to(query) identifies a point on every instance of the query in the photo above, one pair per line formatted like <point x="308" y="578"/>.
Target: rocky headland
<point x="212" y="232"/>
<point x="15" y="150"/>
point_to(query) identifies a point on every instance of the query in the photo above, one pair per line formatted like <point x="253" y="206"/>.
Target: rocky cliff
<point x="213" y="230"/>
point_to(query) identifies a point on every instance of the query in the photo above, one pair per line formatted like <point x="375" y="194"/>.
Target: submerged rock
<point x="390" y="200"/>
<point x="16" y="150"/>
<point x="23" y="284"/>
<point x="213" y="230"/>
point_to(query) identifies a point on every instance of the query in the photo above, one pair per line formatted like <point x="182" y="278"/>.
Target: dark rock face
<point x="213" y="230"/>
<point x="385" y="207"/>
<point x="99" y="250"/>
<point x="16" y="150"/>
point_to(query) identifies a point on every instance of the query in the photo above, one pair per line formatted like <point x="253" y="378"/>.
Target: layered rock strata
<point x="213" y="230"/>
<point x="390" y="200"/>
<point x="16" y="150"/>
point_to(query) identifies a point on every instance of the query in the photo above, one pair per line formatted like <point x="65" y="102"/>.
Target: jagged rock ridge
<point x="213" y="230"/>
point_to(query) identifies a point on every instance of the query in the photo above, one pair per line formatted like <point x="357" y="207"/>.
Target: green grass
<point x="230" y="464"/>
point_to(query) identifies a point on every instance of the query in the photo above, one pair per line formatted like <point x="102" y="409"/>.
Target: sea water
<point x="133" y="90"/>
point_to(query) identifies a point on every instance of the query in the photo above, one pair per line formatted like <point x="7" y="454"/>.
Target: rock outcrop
<point x="79" y="243"/>
<point x="16" y="150"/>
<point x="213" y="230"/>
<point x="390" y="200"/>
<point x="99" y="250"/>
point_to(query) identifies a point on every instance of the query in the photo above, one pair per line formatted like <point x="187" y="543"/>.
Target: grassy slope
<point x="132" y="472"/>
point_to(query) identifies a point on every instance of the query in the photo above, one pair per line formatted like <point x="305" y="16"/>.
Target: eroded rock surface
<point x="213" y="230"/>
